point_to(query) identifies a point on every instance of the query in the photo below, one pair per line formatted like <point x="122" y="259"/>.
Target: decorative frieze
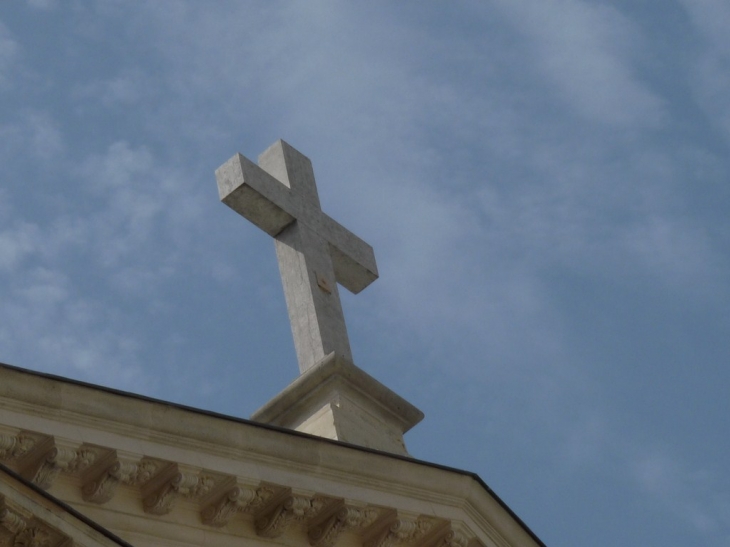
<point x="145" y="470"/>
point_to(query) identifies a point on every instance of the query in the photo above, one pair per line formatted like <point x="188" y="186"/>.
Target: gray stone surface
<point x="315" y="252"/>
<point x="338" y="400"/>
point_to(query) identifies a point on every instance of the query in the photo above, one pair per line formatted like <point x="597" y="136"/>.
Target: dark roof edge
<point x="218" y="415"/>
<point x="67" y="508"/>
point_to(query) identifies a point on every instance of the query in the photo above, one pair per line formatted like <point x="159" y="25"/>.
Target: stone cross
<point x="315" y="253"/>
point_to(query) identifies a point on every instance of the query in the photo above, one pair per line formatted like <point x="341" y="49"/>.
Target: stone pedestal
<point x="336" y="400"/>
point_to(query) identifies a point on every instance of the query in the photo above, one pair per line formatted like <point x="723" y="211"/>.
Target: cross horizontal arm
<point x="267" y="202"/>
<point x="254" y="194"/>
<point x="352" y="258"/>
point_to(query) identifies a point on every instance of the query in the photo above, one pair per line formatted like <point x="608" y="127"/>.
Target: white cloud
<point x="675" y="252"/>
<point x="129" y="87"/>
<point x="120" y="167"/>
<point x="712" y="18"/>
<point x="691" y="495"/>
<point x="142" y="202"/>
<point x="44" y="321"/>
<point x="45" y="137"/>
<point x="577" y="209"/>
<point x="8" y="52"/>
<point x="711" y="70"/>
<point x="46" y="289"/>
<point x="18" y="242"/>
<point x="587" y="50"/>
<point x="32" y="133"/>
<point x="111" y="236"/>
<point x="42" y="4"/>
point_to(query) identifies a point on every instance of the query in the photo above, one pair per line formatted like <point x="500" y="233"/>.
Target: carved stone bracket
<point x="44" y="470"/>
<point x="454" y="539"/>
<point x="265" y="493"/>
<point x="323" y="532"/>
<point x="231" y="502"/>
<point x="15" y="447"/>
<point x="169" y="485"/>
<point x="20" y="530"/>
<point x="11" y="521"/>
<point x="277" y="516"/>
<point x="102" y="487"/>
<point x="398" y="530"/>
<point x="238" y="499"/>
<point x="32" y="536"/>
<point x="40" y="458"/>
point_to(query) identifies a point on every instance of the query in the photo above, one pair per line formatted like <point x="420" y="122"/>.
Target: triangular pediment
<point x="30" y="517"/>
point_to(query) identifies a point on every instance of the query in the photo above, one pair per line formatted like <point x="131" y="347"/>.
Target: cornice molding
<point x="272" y="508"/>
<point x="237" y="452"/>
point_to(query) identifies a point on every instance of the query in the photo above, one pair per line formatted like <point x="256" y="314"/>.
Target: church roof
<point x="202" y="458"/>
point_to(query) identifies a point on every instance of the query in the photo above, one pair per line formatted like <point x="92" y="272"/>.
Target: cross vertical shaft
<point x="312" y="297"/>
<point x="305" y="265"/>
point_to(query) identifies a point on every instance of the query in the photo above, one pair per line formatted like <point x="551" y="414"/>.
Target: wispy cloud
<point x="587" y="50"/>
<point x="63" y="318"/>
<point x="695" y="496"/>
<point x="8" y="52"/>
<point x="42" y="4"/>
<point x="137" y="199"/>
<point x="125" y="89"/>
<point x="45" y="321"/>
<point x="31" y="132"/>
<point x="16" y="242"/>
<point x="711" y="72"/>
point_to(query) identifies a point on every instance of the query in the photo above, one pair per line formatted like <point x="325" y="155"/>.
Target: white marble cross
<point x="315" y="252"/>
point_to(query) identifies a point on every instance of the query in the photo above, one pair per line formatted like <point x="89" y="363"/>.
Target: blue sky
<point x="545" y="184"/>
